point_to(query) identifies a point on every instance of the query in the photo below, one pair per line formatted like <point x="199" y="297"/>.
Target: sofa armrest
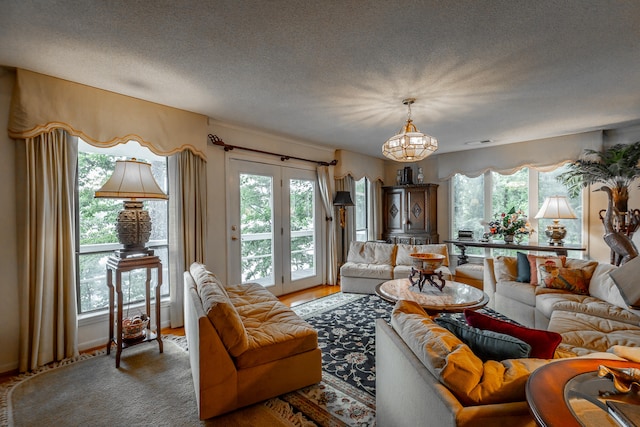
<point x="402" y="382"/>
<point x="489" y="281"/>
<point x="214" y="373"/>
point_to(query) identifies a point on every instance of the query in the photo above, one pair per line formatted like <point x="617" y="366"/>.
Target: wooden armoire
<point x="410" y="214"/>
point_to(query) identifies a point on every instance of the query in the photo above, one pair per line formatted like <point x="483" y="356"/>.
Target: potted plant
<point x="616" y="167"/>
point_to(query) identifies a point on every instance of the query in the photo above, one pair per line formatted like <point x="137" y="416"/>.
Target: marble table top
<point x="454" y="296"/>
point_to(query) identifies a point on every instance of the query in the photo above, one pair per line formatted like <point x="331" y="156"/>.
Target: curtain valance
<point x="358" y="166"/>
<point x="41" y="103"/>
<point x="506" y="159"/>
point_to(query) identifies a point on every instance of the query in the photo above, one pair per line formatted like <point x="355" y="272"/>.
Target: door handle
<point x="234" y="237"/>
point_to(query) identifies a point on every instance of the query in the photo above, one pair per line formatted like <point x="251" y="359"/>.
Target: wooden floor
<point x="290" y="300"/>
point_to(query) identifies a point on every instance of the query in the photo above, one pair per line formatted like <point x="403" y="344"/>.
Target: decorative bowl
<point x="428" y="262"/>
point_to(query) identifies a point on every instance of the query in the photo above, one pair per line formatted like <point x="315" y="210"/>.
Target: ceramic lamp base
<point x="556" y="233"/>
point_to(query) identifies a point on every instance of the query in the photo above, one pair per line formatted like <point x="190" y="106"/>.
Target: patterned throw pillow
<point x="568" y="279"/>
<point x="536" y="260"/>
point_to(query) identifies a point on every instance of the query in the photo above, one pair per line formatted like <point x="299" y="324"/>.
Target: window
<point x="96" y="225"/>
<point x="476" y="200"/>
<point x="361" y="209"/>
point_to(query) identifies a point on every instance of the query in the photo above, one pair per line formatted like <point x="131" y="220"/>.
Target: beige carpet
<point x="149" y="389"/>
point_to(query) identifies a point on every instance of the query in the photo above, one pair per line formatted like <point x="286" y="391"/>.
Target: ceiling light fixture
<point x="410" y="145"/>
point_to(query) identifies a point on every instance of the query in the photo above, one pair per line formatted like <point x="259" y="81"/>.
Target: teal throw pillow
<point x="524" y="268"/>
<point x="487" y="345"/>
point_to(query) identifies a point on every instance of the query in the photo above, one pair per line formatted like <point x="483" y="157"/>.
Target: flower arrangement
<point x="512" y="223"/>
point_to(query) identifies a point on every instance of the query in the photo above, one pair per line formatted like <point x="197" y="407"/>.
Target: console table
<point x="119" y="265"/>
<point x="464" y="244"/>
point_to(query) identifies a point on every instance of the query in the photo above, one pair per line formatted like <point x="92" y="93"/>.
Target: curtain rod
<point x="215" y="140"/>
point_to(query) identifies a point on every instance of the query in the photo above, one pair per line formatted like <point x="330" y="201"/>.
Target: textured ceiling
<point x="335" y="72"/>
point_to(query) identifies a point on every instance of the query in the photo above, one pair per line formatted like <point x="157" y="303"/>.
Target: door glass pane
<point x="256" y="229"/>
<point x="361" y="210"/>
<point x="302" y="206"/>
<point x="468" y="208"/>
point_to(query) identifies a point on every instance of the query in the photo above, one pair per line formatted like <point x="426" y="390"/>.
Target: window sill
<point x="102" y="316"/>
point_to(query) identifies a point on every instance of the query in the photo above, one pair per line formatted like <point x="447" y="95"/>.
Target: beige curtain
<point x="46" y="171"/>
<point x="346" y="184"/>
<point x="374" y="210"/>
<point x="325" y="184"/>
<point x="187" y="223"/>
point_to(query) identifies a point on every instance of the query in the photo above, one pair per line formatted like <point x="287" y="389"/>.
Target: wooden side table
<point x="547" y="395"/>
<point x="119" y="265"/>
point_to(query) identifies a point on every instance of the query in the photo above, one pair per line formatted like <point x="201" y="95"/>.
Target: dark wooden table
<point x="464" y="244"/>
<point x="546" y="389"/>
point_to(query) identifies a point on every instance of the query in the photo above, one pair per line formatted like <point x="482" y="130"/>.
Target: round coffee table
<point x="454" y="296"/>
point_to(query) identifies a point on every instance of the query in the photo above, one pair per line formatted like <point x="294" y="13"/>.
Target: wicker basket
<point x="133" y="331"/>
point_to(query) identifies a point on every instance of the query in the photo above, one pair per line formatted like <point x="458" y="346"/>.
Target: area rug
<point x="157" y="389"/>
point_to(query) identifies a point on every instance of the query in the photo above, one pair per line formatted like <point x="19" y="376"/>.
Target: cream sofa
<point x="426" y="376"/>
<point x="587" y="323"/>
<point x="245" y="346"/>
<point x="371" y="263"/>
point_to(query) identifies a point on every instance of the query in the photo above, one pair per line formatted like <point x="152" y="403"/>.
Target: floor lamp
<point x="343" y="199"/>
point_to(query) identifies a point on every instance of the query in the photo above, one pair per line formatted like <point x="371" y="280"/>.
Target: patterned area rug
<point x="346" y="395"/>
<point x="346" y="335"/>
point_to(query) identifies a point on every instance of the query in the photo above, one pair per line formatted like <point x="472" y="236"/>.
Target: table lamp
<point x="133" y="182"/>
<point x="343" y="199"/>
<point x="556" y="208"/>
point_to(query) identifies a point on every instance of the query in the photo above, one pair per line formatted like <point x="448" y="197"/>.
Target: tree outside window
<point x="471" y="210"/>
<point x="97" y="236"/>
<point x="361" y="211"/>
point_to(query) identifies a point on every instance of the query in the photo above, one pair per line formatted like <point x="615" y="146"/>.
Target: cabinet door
<point x="393" y="214"/>
<point x="416" y="211"/>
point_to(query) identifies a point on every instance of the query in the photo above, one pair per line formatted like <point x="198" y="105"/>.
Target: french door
<point x="273" y="226"/>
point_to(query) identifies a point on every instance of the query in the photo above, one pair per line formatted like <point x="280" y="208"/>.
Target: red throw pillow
<point x="543" y="343"/>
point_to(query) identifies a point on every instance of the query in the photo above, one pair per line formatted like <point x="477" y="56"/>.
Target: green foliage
<point x="615" y="167"/>
<point x="256" y="219"/>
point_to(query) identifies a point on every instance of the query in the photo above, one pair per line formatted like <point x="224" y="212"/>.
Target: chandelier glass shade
<point x="410" y="145"/>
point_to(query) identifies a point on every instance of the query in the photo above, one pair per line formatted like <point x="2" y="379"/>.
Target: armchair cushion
<point x="224" y="317"/>
<point x="371" y="253"/>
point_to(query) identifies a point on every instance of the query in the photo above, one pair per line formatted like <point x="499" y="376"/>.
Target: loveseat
<point x="576" y="298"/>
<point x="371" y="263"/>
<point x="426" y="375"/>
<point x="245" y="346"/>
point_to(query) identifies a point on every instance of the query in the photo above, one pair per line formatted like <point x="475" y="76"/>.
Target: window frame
<point x="533" y="196"/>
<point x="109" y="248"/>
<point x="367" y="197"/>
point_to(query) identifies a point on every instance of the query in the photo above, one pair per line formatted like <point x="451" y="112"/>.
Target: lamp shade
<point x="343" y="198"/>
<point x="556" y="207"/>
<point x="131" y="179"/>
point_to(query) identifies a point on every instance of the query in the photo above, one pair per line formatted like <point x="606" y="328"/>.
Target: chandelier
<point x="410" y="145"/>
